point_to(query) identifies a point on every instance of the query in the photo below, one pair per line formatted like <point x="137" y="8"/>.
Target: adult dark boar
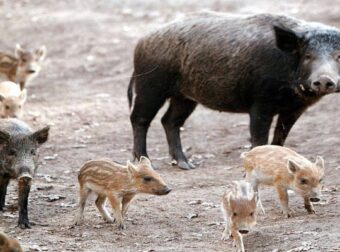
<point x="18" y="160"/>
<point x="262" y="65"/>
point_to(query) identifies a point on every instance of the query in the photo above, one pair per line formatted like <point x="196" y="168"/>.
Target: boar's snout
<point x="324" y="84"/>
<point x="315" y="199"/>
<point x="244" y="231"/>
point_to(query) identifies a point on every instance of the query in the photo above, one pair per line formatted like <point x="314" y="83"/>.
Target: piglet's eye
<point x="235" y="214"/>
<point x="147" y="179"/>
<point x="303" y="181"/>
<point x="251" y="214"/>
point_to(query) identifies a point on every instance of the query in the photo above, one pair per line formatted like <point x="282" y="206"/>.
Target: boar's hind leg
<point x="24" y="190"/>
<point x="261" y="118"/>
<point x="146" y="105"/>
<point x="179" y="110"/>
<point x="4" y="181"/>
<point x="284" y="124"/>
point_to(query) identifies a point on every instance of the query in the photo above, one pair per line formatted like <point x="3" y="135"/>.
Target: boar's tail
<point x="244" y="154"/>
<point x="130" y="89"/>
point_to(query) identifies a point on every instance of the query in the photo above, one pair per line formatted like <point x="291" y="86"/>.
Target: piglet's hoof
<point x="121" y="227"/>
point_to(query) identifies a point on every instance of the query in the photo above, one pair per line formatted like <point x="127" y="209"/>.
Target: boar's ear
<point x="145" y="161"/>
<point x="18" y="51"/>
<point x="131" y="168"/>
<point x="286" y="40"/>
<point x="3" y="240"/>
<point x="23" y="95"/>
<point x="4" y="137"/>
<point x="292" y="166"/>
<point x="319" y="162"/>
<point x="41" y="53"/>
<point x="41" y="136"/>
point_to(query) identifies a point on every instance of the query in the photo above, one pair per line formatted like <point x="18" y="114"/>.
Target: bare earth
<point x="81" y="92"/>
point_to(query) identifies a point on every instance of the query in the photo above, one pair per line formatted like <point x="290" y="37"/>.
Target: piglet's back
<point x="272" y="157"/>
<point x="101" y="169"/>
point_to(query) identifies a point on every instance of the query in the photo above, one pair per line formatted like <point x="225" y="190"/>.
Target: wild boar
<point x="117" y="183"/>
<point x="285" y="169"/>
<point x="24" y="66"/>
<point x="239" y="212"/>
<point x="263" y="65"/>
<point x="19" y="160"/>
<point x="8" y="244"/>
<point x="12" y="99"/>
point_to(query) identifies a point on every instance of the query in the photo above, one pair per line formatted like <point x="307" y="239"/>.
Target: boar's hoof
<point x="185" y="165"/>
<point x="121" y="227"/>
<point x="24" y="224"/>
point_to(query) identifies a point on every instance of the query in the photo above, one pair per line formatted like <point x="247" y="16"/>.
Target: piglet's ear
<point x="3" y="240"/>
<point x="131" y="168"/>
<point x="286" y="40"/>
<point x="2" y="97"/>
<point x="18" y="51"/>
<point x="292" y="166"/>
<point x="145" y="161"/>
<point x="319" y="162"/>
<point x="41" y="53"/>
<point x="255" y="197"/>
<point x="41" y="136"/>
<point x="4" y="137"/>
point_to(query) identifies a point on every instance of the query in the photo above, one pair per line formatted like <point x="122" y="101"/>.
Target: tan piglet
<point x="285" y="169"/>
<point x="239" y="212"/>
<point x="119" y="184"/>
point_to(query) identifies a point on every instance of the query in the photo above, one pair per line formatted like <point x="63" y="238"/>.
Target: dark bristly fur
<point x="262" y="65"/>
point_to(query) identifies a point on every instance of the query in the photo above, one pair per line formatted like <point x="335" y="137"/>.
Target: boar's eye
<point x="147" y="179"/>
<point x="12" y="152"/>
<point x="308" y="57"/>
<point x="303" y="181"/>
<point x="33" y="152"/>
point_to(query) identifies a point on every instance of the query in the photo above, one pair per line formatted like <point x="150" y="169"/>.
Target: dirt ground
<point x="81" y="92"/>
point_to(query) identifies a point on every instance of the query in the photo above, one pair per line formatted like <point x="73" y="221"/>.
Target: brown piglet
<point x="239" y="211"/>
<point x="119" y="184"/>
<point x="285" y="169"/>
<point x="8" y="244"/>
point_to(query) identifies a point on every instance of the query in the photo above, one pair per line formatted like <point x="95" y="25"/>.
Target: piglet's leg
<point x="4" y="181"/>
<point x="283" y="197"/>
<point x="117" y="209"/>
<point x="238" y="240"/>
<point x="100" y="203"/>
<point x="24" y="186"/>
<point x="226" y="233"/>
<point x="125" y="203"/>
<point x="309" y="206"/>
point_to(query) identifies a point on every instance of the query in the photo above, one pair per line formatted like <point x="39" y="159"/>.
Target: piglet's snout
<point x="315" y="195"/>
<point x="244" y="231"/>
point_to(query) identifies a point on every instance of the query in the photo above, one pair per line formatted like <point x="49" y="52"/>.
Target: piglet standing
<point x="239" y="211"/>
<point x="117" y="183"/>
<point x="19" y="160"/>
<point x="12" y="99"/>
<point x="8" y="244"/>
<point x="285" y="169"/>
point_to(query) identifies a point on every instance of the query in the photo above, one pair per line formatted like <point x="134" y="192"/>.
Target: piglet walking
<point x="239" y="211"/>
<point x="119" y="184"/>
<point x="285" y="169"/>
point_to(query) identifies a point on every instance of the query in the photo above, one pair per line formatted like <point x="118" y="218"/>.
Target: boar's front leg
<point x="24" y="190"/>
<point x="179" y="110"/>
<point x="261" y="117"/>
<point x="4" y="181"/>
<point x="284" y="124"/>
